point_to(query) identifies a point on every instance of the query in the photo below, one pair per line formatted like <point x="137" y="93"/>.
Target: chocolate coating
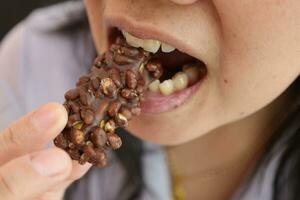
<point x="103" y="100"/>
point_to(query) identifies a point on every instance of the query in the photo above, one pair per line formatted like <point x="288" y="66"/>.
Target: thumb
<point x="31" y="132"/>
<point x="32" y="175"/>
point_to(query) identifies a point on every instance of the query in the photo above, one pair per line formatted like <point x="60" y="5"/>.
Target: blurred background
<point x="13" y="11"/>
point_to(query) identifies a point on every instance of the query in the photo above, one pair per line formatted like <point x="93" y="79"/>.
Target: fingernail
<point x="44" y="117"/>
<point x="51" y="162"/>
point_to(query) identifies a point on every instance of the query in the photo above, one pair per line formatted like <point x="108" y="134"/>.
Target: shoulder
<point x="9" y="88"/>
<point x="10" y="51"/>
<point x="49" y="44"/>
<point x="37" y="28"/>
<point x="12" y="40"/>
<point x="57" y="16"/>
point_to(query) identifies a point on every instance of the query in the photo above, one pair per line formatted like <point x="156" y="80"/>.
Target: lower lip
<point x="156" y="103"/>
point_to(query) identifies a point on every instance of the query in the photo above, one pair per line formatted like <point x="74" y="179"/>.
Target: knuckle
<point x="6" y="189"/>
<point x="11" y="137"/>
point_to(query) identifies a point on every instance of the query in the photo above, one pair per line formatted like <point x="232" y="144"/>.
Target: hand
<point x="27" y="169"/>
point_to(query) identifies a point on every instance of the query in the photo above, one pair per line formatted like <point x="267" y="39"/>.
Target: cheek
<point x="258" y="52"/>
<point x="95" y="11"/>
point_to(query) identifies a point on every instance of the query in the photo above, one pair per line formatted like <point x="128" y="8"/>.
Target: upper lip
<point x="148" y="31"/>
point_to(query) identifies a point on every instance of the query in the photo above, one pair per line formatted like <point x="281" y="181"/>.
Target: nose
<point x="184" y="1"/>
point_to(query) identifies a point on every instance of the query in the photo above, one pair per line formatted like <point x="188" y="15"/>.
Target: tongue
<point x="175" y="59"/>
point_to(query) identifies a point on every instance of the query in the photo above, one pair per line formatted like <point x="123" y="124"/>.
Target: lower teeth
<point x="192" y="71"/>
<point x="180" y="80"/>
<point x="167" y="87"/>
<point x="189" y="75"/>
<point x="154" y="86"/>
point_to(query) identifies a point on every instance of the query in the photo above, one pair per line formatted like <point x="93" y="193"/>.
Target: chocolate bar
<point x="105" y="99"/>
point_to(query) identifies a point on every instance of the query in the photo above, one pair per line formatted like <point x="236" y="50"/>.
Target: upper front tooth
<point x="167" y="48"/>
<point x="151" y="45"/>
<point x="148" y="45"/>
<point x="133" y="41"/>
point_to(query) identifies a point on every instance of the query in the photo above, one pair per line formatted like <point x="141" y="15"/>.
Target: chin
<point x="155" y="131"/>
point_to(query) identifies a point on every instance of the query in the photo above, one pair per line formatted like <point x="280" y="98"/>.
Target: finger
<point x="78" y="170"/>
<point x="32" y="132"/>
<point x="184" y="1"/>
<point x="32" y="175"/>
<point x="58" y="191"/>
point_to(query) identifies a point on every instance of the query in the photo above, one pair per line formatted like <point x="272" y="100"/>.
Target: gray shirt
<point x="40" y="59"/>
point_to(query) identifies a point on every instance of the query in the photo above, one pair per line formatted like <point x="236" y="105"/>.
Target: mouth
<point x="179" y="77"/>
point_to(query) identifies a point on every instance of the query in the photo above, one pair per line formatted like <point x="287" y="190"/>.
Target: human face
<point x="250" y="49"/>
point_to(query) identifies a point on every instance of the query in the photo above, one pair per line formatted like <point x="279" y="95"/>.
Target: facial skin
<point x="251" y="49"/>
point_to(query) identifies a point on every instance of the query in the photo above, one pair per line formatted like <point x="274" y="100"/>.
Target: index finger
<point x="31" y="132"/>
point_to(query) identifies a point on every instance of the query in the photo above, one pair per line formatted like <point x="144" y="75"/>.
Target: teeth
<point x="167" y="87"/>
<point x="151" y="45"/>
<point x="180" y="80"/>
<point x="192" y="71"/>
<point x="167" y="48"/>
<point x="154" y="86"/>
<point x="147" y="44"/>
<point x="132" y="41"/>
